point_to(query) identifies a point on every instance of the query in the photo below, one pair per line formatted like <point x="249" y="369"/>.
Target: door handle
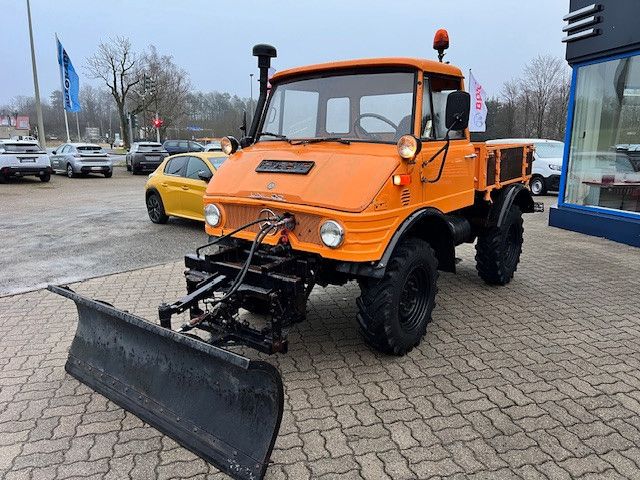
<point x="185" y="188"/>
<point x="471" y="155"/>
<point x="164" y="185"/>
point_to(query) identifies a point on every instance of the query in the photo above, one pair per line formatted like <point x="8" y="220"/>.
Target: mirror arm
<point x="445" y="149"/>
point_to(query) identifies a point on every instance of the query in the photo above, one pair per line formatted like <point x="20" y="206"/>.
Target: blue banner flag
<point x="69" y="80"/>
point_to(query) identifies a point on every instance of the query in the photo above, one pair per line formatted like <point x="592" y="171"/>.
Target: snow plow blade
<point x="223" y="407"/>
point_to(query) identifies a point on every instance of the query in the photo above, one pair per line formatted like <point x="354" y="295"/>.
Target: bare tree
<point x="118" y="66"/>
<point x="170" y="93"/>
<point x="541" y="81"/>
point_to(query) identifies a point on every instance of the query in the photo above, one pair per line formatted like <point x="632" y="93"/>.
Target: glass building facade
<point x="600" y="183"/>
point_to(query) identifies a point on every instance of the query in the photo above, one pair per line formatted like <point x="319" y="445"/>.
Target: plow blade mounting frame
<point x="222" y="406"/>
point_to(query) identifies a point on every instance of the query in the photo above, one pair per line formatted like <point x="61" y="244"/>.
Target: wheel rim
<point x="69" y="171"/>
<point x="536" y="186"/>
<point x="414" y="299"/>
<point x="513" y="245"/>
<point x="153" y="206"/>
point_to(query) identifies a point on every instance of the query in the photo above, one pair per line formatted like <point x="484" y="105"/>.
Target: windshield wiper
<point x="276" y="135"/>
<point x="318" y="140"/>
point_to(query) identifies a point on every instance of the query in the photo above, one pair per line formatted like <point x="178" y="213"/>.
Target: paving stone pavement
<point x="538" y="379"/>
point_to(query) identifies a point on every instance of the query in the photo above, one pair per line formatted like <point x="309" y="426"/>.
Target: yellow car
<point x="177" y="186"/>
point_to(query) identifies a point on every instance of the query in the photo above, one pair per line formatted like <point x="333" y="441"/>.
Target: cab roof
<point x="430" y="66"/>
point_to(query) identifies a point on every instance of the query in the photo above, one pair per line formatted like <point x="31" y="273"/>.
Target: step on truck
<point x="355" y="171"/>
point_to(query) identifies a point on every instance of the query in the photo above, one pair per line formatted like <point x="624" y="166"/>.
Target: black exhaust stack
<point x="264" y="53"/>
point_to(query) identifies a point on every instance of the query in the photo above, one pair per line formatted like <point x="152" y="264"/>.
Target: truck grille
<point x="307" y="225"/>
<point x="405" y="197"/>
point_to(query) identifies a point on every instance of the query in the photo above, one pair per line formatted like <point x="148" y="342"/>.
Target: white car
<point x="80" y="159"/>
<point x="547" y="162"/>
<point x="20" y="158"/>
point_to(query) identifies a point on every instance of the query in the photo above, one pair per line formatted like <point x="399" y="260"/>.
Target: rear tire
<point x="45" y="177"/>
<point x="394" y="311"/>
<point x="128" y="165"/>
<point x="108" y="174"/>
<point x="538" y="186"/>
<point x="498" y="249"/>
<point x="134" y="170"/>
<point x="155" y="209"/>
<point x="70" y="173"/>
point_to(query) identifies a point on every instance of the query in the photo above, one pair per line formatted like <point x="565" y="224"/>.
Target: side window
<point x="176" y="166"/>
<point x="196" y="165"/>
<point x="426" y="128"/>
<point x="184" y="145"/>
<point x="65" y="149"/>
<point x="338" y="118"/>
<point x="441" y="87"/>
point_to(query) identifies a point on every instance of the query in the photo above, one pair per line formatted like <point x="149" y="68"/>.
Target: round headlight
<point x="409" y="146"/>
<point x="212" y="215"/>
<point x="332" y="234"/>
<point x="229" y="145"/>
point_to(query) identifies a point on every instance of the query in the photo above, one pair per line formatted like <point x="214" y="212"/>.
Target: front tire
<point x="155" y="209"/>
<point x="498" y="249"/>
<point x="538" y="186"/>
<point x="394" y="311"/>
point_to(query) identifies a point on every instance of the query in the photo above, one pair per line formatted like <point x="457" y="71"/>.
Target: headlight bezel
<point x="337" y="228"/>
<point x="408" y="146"/>
<point x="229" y="145"/>
<point x="215" y="210"/>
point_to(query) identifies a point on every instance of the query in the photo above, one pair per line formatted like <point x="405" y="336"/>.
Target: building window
<point x="604" y="155"/>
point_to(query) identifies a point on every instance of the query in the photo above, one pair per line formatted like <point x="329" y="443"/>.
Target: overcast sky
<point x="212" y="40"/>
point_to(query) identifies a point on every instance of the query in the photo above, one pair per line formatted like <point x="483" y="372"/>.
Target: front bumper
<point x="23" y="170"/>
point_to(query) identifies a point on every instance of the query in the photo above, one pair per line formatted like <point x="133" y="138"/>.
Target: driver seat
<point x="404" y="128"/>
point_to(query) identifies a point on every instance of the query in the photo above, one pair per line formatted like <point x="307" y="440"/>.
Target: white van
<point x="547" y="162"/>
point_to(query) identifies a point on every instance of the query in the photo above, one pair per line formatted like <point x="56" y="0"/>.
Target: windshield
<point x="550" y="150"/>
<point x="22" y="147"/>
<point x="372" y="107"/>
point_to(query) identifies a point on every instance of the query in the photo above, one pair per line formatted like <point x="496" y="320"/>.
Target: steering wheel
<point x="357" y="127"/>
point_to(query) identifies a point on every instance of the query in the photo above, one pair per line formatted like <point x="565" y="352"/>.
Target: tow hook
<point x="538" y="207"/>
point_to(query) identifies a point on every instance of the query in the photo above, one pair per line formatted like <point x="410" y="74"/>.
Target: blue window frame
<point x="626" y="90"/>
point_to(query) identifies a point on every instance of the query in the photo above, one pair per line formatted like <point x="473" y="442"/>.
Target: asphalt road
<point x="73" y="229"/>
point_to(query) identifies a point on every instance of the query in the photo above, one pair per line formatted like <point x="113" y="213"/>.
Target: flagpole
<point x="41" y="137"/>
<point x="66" y="120"/>
<point x="78" y="126"/>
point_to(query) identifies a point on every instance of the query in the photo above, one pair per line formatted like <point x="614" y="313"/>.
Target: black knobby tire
<point x="155" y="209"/>
<point x="394" y="311"/>
<point x="537" y="186"/>
<point x="498" y="249"/>
<point x="45" y="177"/>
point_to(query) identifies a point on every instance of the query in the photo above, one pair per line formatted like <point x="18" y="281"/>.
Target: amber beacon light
<point x="441" y="42"/>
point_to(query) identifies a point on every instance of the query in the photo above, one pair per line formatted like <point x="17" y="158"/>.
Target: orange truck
<point x="350" y="171"/>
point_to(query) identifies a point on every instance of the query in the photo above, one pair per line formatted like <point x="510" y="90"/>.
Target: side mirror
<point x="457" y="111"/>
<point x="54" y="152"/>
<point x="204" y="176"/>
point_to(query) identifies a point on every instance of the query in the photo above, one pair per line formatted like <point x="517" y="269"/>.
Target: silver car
<point x="80" y="159"/>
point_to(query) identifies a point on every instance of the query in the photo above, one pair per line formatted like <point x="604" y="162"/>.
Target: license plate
<point x="96" y="168"/>
<point x="28" y="160"/>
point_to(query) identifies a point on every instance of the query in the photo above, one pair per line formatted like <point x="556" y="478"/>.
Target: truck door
<point x="454" y="188"/>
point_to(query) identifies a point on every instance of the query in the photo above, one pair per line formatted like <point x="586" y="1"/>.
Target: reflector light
<point x="400" y="180"/>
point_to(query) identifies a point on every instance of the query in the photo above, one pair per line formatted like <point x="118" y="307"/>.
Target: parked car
<point x="182" y="146"/>
<point x="213" y="147"/>
<point x="145" y="156"/>
<point x="19" y="158"/>
<point x="177" y="186"/>
<point x="80" y="159"/>
<point x="118" y="143"/>
<point x="547" y="163"/>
